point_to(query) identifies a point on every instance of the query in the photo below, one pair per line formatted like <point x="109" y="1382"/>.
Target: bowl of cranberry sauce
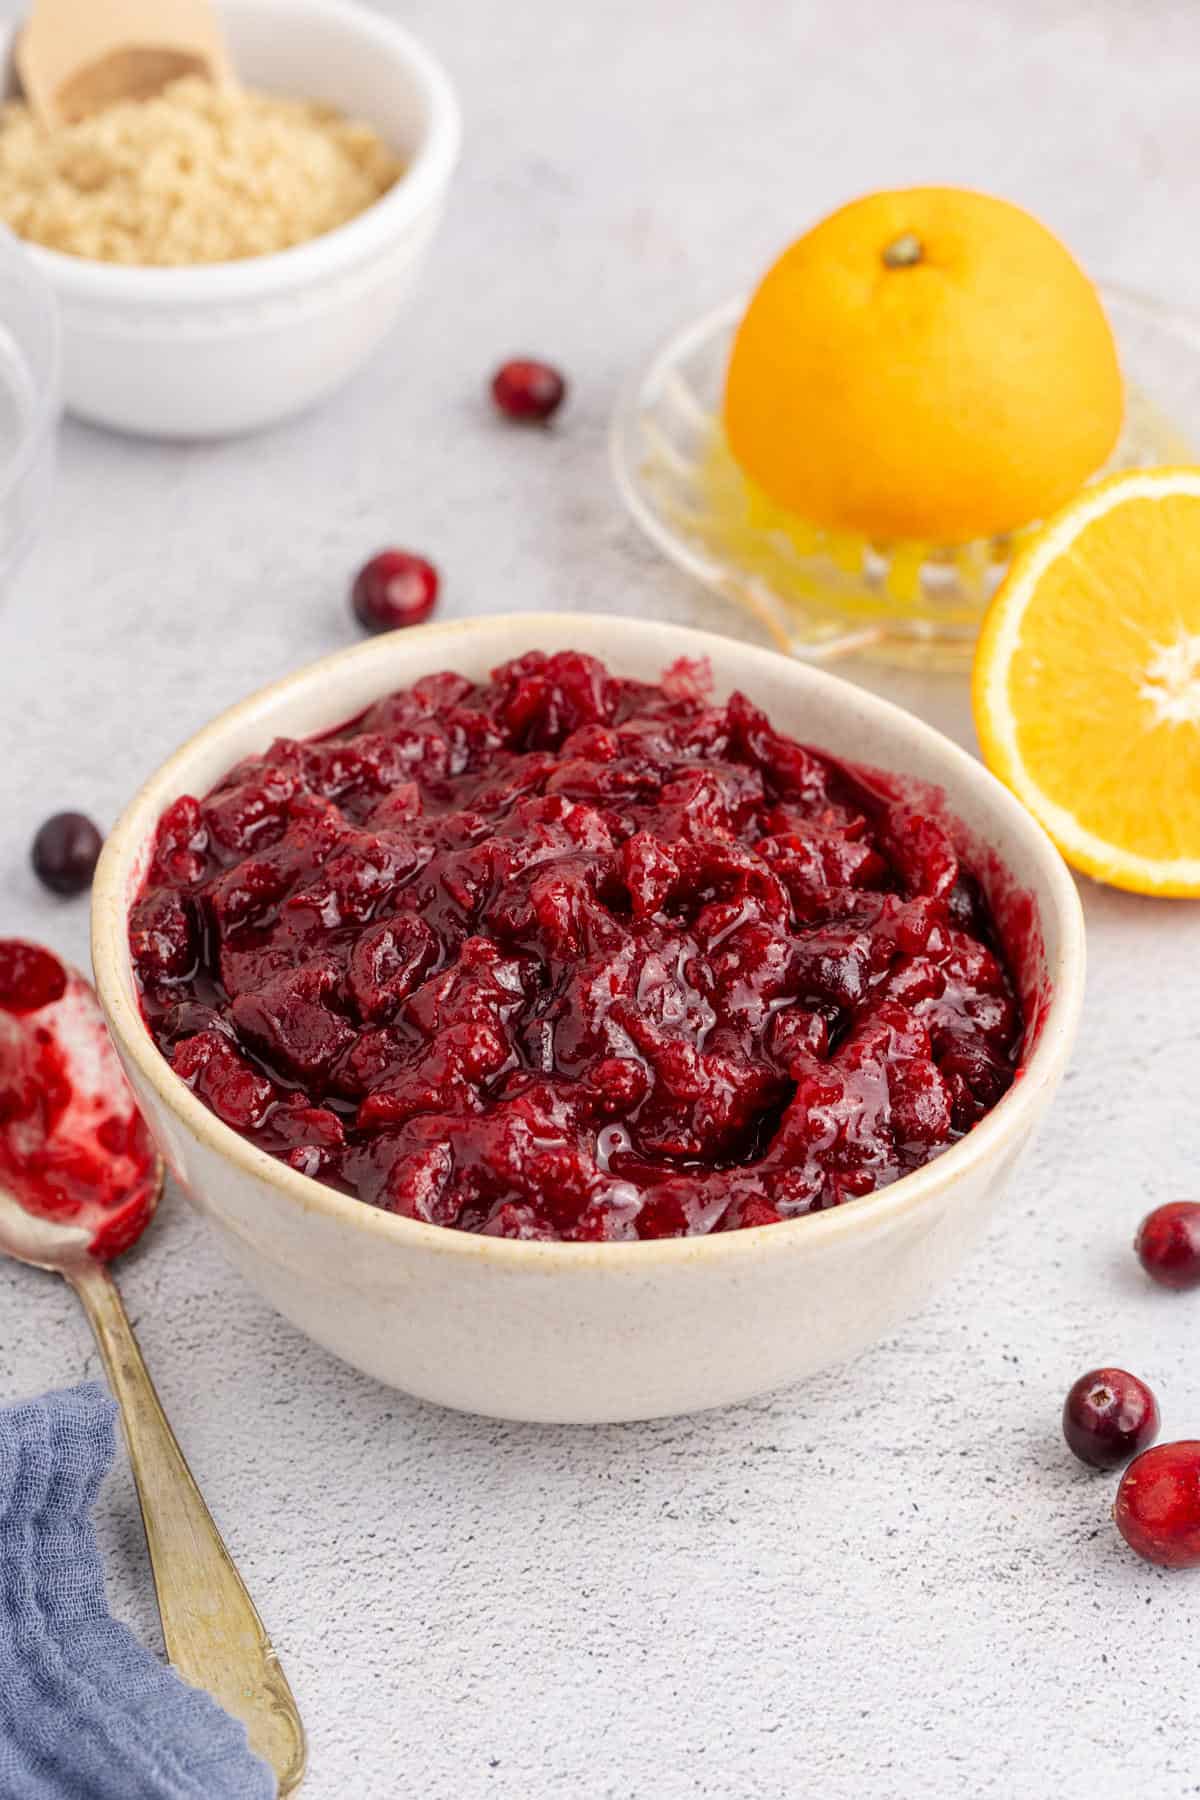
<point x="560" y="954"/>
<point x="564" y="1021"/>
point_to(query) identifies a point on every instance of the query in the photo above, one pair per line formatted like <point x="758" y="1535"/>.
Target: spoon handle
<point x="213" y="1633"/>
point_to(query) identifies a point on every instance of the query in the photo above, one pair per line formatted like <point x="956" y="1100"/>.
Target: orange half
<point x="1087" y="681"/>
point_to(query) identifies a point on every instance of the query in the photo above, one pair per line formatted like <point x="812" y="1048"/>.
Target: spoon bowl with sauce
<point x="80" y="1180"/>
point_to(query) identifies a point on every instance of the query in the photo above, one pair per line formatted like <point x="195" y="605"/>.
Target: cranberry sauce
<point x="30" y="977"/>
<point x="73" y="1147"/>
<point x="567" y="956"/>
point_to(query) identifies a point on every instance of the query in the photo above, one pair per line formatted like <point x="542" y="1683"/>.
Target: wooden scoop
<point x="76" y="56"/>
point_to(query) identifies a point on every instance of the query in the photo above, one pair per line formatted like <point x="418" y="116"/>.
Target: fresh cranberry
<point x="527" y="390"/>
<point x="1109" y="1416"/>
<point x="1158" y="1505"/>
<point x="1168" y="1244"/>
<point x="30" y="977"/>
<point x="65" y="853"/>
<point x="395" y="588"/>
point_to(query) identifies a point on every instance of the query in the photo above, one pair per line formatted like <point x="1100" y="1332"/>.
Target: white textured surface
<point x="893" y="1581"/>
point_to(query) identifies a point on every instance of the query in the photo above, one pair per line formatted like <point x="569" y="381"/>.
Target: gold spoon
<point x="213" y="1634"/>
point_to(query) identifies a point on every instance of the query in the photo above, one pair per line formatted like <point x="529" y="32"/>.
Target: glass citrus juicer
<point x="821" y="594"/>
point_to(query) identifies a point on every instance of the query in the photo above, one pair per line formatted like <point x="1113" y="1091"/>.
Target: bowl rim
<point x="1008" y="1120"/>
<point x="417" y="190"/>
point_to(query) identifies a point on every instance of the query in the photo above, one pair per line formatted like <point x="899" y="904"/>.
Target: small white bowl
<point x="585" y="1332"/>
<point x="228" y="347"/>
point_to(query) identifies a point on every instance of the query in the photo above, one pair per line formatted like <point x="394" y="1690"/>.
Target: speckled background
<point x="892" y="1581"/>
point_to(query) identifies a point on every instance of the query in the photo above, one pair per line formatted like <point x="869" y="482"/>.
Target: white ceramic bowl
<point x="609" y="1331"/>
<point x="227" y="347"/>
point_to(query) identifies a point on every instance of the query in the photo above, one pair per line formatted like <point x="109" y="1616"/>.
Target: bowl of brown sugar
<point x="225" y="258"/>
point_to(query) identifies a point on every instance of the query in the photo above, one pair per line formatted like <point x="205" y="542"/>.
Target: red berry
<point x="528" y="390"/>
<point x="395" y="588"/>
<point x="1168" y="1244"/>
<point x="1158" y="1505"/>
<point x="1109" y="1416"/>
<point x="65" y="853"/>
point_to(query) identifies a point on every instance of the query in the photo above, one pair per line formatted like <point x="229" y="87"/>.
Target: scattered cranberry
<point x="1168" y="1244"/>
<point x="528" y="390"/>
<point x="1109" y="1416"/>
<point x="395" y="588"/>
<point x="1158" y="1505"/>
<point x="65" y="852"/>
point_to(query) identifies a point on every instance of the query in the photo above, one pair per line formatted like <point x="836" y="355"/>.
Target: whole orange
<point x="929" y="363"/>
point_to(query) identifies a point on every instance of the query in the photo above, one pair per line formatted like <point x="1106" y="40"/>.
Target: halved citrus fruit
<point x="1087" y="681"/>
<point x="926" y="363"/>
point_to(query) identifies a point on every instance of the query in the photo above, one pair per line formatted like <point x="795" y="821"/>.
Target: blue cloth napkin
<point x="86" y="1713"/>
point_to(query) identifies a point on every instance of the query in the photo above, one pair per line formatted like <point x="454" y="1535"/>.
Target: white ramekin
<point x="610" y="1331"/>
<point x="228" y="347"/>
